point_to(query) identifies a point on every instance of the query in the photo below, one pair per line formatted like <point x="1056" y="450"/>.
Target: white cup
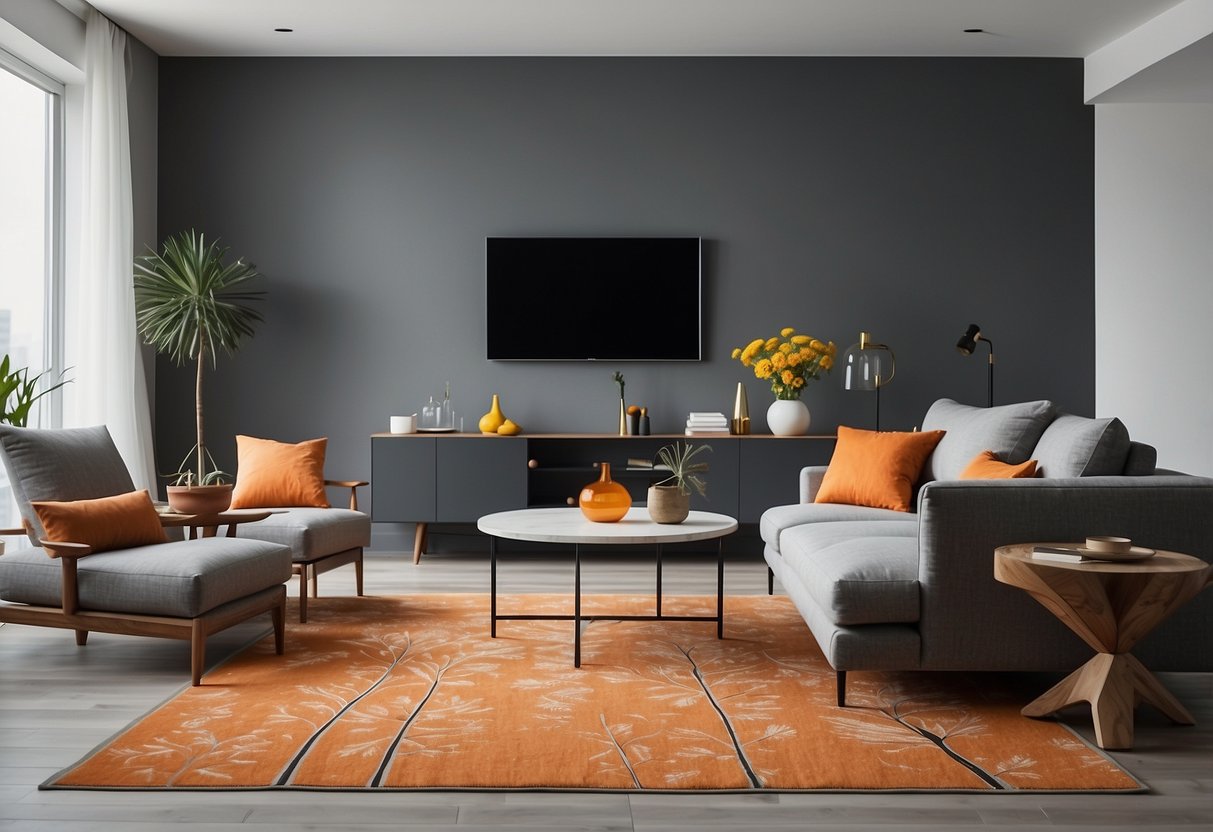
<point x="404" y="424"/>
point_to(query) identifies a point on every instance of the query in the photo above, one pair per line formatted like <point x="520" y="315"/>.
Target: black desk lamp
<point x="968" y="343"/>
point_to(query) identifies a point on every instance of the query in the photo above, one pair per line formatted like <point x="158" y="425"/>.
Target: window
<point x="30" y="237"/>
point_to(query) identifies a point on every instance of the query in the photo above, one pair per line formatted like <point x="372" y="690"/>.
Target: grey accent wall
<point x="142" y="98"/>
<point x="908" y="197"/>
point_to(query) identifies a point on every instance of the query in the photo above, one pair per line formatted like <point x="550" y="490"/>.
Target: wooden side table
<point x="1111" y="606"/>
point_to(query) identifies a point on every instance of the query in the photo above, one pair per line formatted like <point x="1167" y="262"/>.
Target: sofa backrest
<point x="1011" y="431"/>
<point x="1076" y="446"/>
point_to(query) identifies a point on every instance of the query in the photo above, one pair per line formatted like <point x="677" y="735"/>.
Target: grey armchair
<point x="177" y="589"/>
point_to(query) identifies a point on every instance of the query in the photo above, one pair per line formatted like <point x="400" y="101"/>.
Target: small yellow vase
<point x="492" y="420"/>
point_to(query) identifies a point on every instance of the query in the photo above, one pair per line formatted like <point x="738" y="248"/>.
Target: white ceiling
<point x="1025" y="28"/>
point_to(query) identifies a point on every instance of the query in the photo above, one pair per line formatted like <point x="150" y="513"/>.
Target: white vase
<point x="788" y="417"/>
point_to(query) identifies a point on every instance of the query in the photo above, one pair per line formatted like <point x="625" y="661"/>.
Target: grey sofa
<point x="888" y="590"/>
<point x="183" y="589"/>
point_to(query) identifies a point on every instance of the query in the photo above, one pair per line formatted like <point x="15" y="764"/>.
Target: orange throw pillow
<point x="273" y="474"/>
<point x="987" y="466"/>
<point x="119" y="522"/>
<point x="876" y="468"/>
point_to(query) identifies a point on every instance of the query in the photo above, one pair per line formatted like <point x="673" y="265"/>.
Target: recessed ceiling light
<point x="967" y="31"/>
<point x="284" y="30"/>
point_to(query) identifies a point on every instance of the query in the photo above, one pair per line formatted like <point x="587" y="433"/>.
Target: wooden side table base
<point x="1112" y="683"/>
<point x="1110" y="606"/>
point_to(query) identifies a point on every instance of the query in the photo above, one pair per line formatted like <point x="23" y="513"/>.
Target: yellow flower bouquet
<point x="788" y="360"/>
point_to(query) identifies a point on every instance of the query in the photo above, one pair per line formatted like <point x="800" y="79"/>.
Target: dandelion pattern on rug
<point x="386" y="693"/>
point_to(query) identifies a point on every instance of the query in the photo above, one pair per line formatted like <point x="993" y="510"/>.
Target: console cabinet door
<point x="479" y="476"/>
<point x="770" y="470"/>
<point x="403" y="479"/>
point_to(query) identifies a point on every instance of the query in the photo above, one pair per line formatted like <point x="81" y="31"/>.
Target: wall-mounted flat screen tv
<point x="594" y="298"/>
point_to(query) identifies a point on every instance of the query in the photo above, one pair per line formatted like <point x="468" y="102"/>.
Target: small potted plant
<point x="188" y="303"/>
<point x="670" y="499"/>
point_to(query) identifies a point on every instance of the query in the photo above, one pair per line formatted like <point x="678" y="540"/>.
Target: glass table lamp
<point x="868" y="366"/>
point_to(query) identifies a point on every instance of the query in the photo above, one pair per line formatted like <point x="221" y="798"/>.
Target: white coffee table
<point x="569" y="525"/>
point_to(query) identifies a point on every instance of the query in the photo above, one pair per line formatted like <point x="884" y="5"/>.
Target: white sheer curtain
<point x="111" y="387"/>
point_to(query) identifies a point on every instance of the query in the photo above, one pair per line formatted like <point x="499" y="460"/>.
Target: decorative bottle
<point x="604" y="500"/>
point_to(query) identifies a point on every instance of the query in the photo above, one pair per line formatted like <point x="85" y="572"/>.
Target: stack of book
<point x="707" y="424"/>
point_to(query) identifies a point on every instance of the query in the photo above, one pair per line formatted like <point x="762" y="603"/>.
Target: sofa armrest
<point x="810" y="482"/>
<point x="961" y="523"/>
<point x="352" y="485"/>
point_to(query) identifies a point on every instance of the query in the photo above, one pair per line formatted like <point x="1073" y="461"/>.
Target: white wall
<point x="1154" y="276"/>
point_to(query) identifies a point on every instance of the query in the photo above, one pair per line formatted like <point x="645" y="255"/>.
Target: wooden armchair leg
<point x="358" y="572"/>
<point x="302" y="593"/>
<point x="81" y="637"/>
<point x="197" y="652"/>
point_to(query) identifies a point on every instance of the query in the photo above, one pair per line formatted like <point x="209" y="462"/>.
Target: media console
<point x="425" y="478"/>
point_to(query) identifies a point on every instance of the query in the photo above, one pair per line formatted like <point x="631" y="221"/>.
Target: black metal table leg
<point x="719" y="588"/>
<point x="658" y="579"/>
<point x="493" y="587"/>
<point x="576" y="605"/>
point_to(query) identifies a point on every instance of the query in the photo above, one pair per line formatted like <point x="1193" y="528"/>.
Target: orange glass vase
<point x="604" y="500"/>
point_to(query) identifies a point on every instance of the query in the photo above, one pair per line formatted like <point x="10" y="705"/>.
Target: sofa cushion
<point x="1011" y="431"/>
<point x="68" y="464"/>
<point x="117" y="522"/>
<point x="857" y="572"/>
<point x="312" y="532"/>
<point x="1141" y="460"/>
<point x="875" y="468"/>
<point x="181" y="579"/>
<point x="1075" y="446"/>
<point x="775" y="521"/>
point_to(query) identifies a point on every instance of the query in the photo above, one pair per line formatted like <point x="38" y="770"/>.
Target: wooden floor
<point x="58" y="701"/>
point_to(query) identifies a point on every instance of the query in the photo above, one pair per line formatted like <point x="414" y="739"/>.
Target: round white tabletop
<point x="569" y="525"/>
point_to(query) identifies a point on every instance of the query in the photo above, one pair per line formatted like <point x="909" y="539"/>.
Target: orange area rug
<point x="411" y="693"/>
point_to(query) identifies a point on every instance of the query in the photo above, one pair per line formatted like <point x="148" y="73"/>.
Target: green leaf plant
<point x="19" y="393"/>
<point x="684" y="473"/>
<point x="188" y="305"/>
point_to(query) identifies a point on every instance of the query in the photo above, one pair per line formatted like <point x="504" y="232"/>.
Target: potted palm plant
<point x="188" y="304"/>
<point x="670" y="499"/>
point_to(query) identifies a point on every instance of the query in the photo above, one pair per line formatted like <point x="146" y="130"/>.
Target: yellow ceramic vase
<point x="604" y="500"/>
<point x="494" y="419"/>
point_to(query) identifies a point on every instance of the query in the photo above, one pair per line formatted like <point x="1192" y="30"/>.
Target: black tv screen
<point x="594" y="298"/>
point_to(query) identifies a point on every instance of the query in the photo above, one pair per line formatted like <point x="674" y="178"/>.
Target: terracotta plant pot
<point x="668" y="505"/>
<point x="199" y="499"/>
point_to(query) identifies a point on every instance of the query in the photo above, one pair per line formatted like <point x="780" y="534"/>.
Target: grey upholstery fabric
<point x="1075" y="446"/>
<point x="810" y="481"/>
<point x="68" y="464"/>
<point x="865" y="647"/>
<point x="775" y="520"/>
<point x="1142" y="460"/>
<point x="312" y="532"/>
<point x="180" y="580"/>
<point x="970" y="622"/>
<point x="857" y="572"/>
<point x="1011" y="431"/>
